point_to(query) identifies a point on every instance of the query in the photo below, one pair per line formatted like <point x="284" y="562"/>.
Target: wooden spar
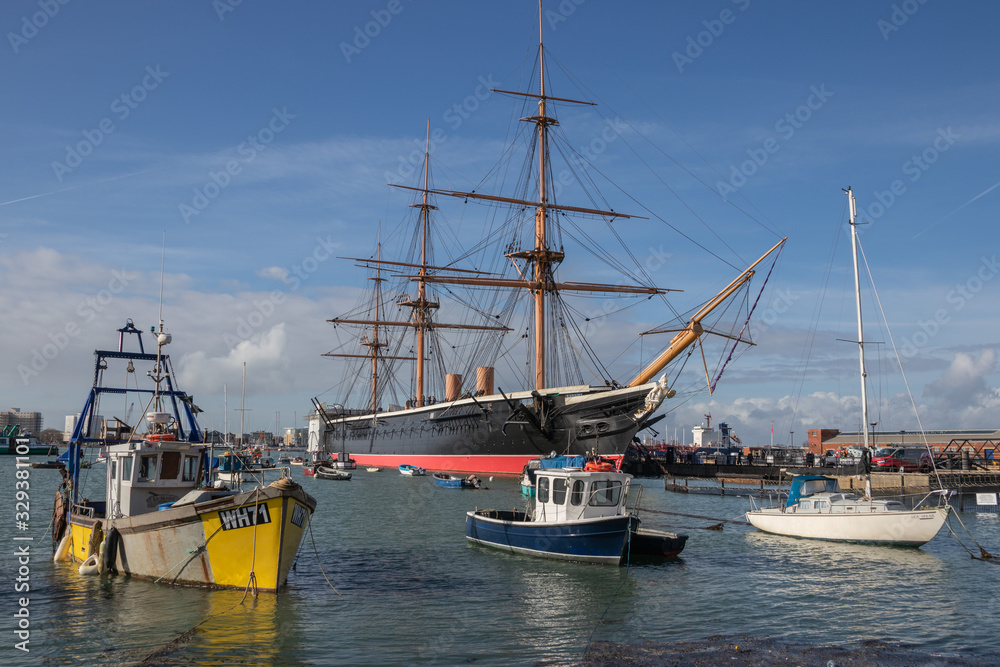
<point x="425" y="325"/>
<point x="412" y="265"/>
<point x="693" y="330"/>
<point x="525" y="202"/>
<point x="533" y="285"/>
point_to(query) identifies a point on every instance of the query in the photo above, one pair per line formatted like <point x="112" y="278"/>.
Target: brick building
<point x="822" y="440"/>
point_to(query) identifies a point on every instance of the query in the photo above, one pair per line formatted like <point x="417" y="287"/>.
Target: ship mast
<point x="374" y="345"/>
<point x="421" y="306"/>
<point x="543" y="259"/>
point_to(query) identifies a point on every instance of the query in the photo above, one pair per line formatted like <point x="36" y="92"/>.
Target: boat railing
<point x="632" y="507"/>
<point x="943" y="496"/>
<point x="84" y="510"/>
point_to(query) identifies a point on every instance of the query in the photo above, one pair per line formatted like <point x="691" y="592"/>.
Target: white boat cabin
<point x="571" y="494"/>
<point x="144" y="474"/>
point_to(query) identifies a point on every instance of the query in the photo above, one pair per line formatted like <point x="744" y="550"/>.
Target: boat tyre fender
<point x="109" y="550"/>
<point x="93" y="563"/>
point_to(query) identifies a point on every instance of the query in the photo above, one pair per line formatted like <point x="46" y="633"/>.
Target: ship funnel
<point x="452" y="386"/>
<point x="484" y="380"/>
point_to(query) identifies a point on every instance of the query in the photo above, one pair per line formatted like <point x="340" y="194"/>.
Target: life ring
<point x="161" y="437"/>
<point x="594" y="466"/>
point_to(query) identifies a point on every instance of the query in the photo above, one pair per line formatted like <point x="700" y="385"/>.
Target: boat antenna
<point x="163" y="255"/>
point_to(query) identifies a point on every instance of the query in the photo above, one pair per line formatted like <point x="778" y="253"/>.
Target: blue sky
<point x="259" y="137"/>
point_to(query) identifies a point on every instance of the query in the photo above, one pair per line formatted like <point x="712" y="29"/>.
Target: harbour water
<point x="410" y="590"/>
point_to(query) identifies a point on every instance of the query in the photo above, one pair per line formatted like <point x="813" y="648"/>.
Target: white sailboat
<point x="816" y="507"/>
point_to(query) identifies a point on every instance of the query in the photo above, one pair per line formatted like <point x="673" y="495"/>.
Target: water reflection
<point x="117" y="619"/>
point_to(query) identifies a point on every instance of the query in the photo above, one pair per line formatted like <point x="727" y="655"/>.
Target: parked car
<point x="891" y="459"/>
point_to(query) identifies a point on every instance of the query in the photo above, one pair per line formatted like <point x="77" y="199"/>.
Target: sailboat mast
<point x="853" y="212"/>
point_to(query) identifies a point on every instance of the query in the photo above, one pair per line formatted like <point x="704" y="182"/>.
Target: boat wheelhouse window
<point x="805" y="504"/>
<point x="576" y="495"/>
<point x="170" y="466"/>
<point x="543" y="490"/>
<point x="190" y="468"/>
<point x="559" y="491"/>
<point x="813" y="486"/>
<point x="114" y="469"/>
<point x="147" y="468"/>
<point x="127" y="468"/>
<point x="822" y="504"/>
<point x="605" y="492"/>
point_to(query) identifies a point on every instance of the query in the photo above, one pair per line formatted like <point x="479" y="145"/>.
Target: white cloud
<point x="273" y="272"/>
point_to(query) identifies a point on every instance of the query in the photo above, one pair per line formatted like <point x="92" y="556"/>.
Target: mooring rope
<point x="316" y="551"/>
<point x="698" y="516"/>
<point x="984" y="555"/>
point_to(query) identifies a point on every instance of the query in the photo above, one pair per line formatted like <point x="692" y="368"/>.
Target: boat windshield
<point x="605" y="493"/>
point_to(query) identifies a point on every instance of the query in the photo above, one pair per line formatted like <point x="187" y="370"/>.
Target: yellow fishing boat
<point x="162" y="517"/>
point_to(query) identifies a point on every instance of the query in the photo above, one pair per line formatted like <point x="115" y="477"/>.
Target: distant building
<point x="29" y="422"/>
<point x="296" y="438"/>
<point x="706" y="436"/>
<point x="822" y="440"/>
<point x="70" y="423"/>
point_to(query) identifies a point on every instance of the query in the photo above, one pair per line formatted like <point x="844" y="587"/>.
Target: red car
<point x="891" y="459"/>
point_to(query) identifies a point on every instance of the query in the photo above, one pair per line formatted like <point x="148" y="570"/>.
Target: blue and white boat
<point x="579" y="515"/>
<point x="411" y="471"/>
<point x="447" y="481"/>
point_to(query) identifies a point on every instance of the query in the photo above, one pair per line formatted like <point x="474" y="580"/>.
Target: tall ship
<point x="480" y="359"/>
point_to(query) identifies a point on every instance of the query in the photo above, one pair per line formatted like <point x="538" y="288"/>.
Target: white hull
<point x="903" y="528"/>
